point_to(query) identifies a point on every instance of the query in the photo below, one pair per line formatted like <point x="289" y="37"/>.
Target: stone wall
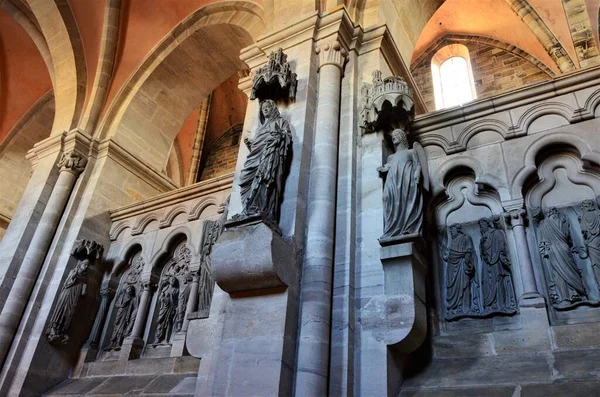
<point x="533" y="171"/>
<point x="222" y="156"/>
<point x="495" y="71"/>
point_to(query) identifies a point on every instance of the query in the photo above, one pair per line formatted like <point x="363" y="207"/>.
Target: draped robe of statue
<point x="182" y="305"/>
<point x="402" y="197"/>
<point x="590" y="228"/>
<point x="555" y="247"/>
<point x="262" y="178"/>
<point x="498" y="289"/>
<point x="461" y="287"/>
<point x="73" y="288"/>
<point x="168" y="299"/>
<point x="126" y="304"/>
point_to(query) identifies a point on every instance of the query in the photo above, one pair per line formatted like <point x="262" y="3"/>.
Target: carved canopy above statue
<point x="275" y="80"/>
<point x="387" y="104"/>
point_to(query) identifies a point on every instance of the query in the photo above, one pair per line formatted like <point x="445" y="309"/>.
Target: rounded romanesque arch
<point x="196" y="56"/>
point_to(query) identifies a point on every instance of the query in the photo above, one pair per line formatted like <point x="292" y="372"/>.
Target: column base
<point x="132" y="348"/>
<point x="532" y="299"/>
<point x="178" y="345"/>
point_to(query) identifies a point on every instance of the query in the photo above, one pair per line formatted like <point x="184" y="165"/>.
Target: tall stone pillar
<point x="93" y="343"/>
<point x="313" y="348"/>
<point x="71" y="164"/>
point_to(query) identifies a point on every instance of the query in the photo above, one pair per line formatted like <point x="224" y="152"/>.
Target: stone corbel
<point x="253" y="256"/>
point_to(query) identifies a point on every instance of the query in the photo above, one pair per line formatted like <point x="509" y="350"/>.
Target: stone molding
<point x="178" y="196"/>
<point x="525" y="96"/>
<point x="116" y="152"/>
<point x="331" y="54"/>
<point x="72" y="162"/>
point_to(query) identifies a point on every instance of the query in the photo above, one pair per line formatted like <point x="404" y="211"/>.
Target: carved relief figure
<point x="262" y="179"/>
<point x="182" y="303"/>
<point x="126" y="305"/>
<point x="590" y="228"/>
<point x="168" y="299"/>
<point x="461" y="286"/>
<point x="73" y="288"/>
<point x="402" y="196"/>
<point x="498" y="289"/>
<point x="556" y="249"/>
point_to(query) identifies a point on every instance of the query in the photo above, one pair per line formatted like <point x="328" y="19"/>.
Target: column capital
<point x="516" y="217"/>
<point x="331" y="54"/>
<point x="72" y="162"/>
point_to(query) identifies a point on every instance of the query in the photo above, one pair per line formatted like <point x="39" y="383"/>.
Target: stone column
<point x="71" y="165"/>
<point x="313" y="349"/>
<point x="515" y="219"/>
<point x="192" y="301"/>
<point x="106" y="295"/>
<point x="133" y="344"/>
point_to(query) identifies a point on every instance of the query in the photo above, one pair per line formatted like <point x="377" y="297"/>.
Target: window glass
<point x="455" y="82"/>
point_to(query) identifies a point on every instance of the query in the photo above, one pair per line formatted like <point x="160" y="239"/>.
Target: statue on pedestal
<point x="262" y="179"/>
<point x="402" y="194"/>
<point x="590" y="228"/>
<point x="126" y="304"/>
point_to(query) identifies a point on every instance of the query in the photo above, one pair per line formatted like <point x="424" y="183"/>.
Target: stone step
<point x="144" y="385"/>
<point x="556" y="389"/>
<point x="495" y="375"/>
<point x="142" y="366"/>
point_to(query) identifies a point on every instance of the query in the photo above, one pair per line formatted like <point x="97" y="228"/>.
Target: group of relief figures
<point x="463" y="297"/>
<point x="562" y="256"/>
<point x="173" y="291"/>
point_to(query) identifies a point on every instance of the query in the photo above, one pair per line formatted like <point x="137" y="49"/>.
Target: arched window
<point x="452" y="76"/>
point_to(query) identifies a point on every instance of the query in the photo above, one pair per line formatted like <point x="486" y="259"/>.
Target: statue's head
<point x="268" y="109"/>
<point x="83" y="266"/>
<point x="173" y="281"/>
<point x="553" y="212"/>
<point x="485" y="224"/>
<point x="455" y="230"/>
<point x="130" y="290"/>
<point x="399" y="139"/>
<point x="588" y="205"/>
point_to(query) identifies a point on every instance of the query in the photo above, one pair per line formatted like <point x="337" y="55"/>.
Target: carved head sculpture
<point x="174" y="282"/>
<point x="588" y="205"/>
<point x="399" y="139"/>
<point x="82" y="267"/>
<point x="455" y="230"/>
<point x="485" y="225"/>
<point x="268" y="110"/>
<point x="553" y="212"/>
<point x="130" y="290"/>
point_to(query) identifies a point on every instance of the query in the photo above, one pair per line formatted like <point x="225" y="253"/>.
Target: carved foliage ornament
<point x="72" y="162"/>
<point x="274" y="77"/>
<point x="75" y="285"/>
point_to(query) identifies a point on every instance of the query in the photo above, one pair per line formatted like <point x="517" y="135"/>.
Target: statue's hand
<point x="581" y="251"/>
<point x="383" y="170"/>
<point x="248" y="143"/>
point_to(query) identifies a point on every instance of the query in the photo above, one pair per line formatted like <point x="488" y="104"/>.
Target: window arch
<point x="452" y="76"/>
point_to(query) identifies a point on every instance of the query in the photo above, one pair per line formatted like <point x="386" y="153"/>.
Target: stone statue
<point x="126" y="305"/>
<point x="402" y="195"/>
<point x="168" y="300"/>
<point x="262" y="179"/>
<point x="590" y="228"/>
<point x="556" y="249"/>
<point x="182" y="303"/>
<point x="461" y="286"/>
<point x="73" y="288"/>
<point x="498" y="289"/>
